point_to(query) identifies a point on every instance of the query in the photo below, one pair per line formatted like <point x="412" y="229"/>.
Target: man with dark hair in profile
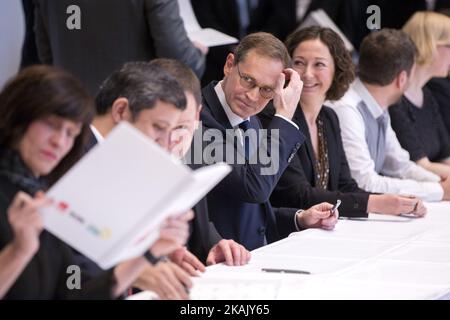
<point x="152" y="101"/>
<point x="204" y="241"/>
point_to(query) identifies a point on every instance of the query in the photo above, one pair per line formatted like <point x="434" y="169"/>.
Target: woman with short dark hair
<point x="45" y="117"/>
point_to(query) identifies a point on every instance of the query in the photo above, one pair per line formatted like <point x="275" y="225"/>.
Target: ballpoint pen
<point x="335" y="207"/>
<point x="285" y="271"/>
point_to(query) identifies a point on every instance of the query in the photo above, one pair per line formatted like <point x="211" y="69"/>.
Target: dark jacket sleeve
<point x="405" y="130"/>
<point x="203" y="232"/>
<point x="41" y="34"/>
<point x="285" y="218"/>
<point x="444" y="150"/>
<point x="294" y="190"/>
<point x="169" y="35"/>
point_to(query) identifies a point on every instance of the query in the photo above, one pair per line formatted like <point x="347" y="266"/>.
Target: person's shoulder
<point x="7" y="191"/>
<point x="349" y="101"/>
<point x="328" y="112"/>
<point x="429" y="98"/>
<point x="347" y="106"/>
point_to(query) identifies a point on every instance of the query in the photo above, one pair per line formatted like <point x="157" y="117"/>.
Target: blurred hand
<point x="230" y="252"/>
<point x="204" y="49"/>
<point x="286" y="99"/>
<point x="186" y="260"/>
<point x="318" y="216"/>
<point x="26" y="221"/>
<point x="166" y="279"/>
<point x="445" y="184"/>
<point x="174" y="233"/>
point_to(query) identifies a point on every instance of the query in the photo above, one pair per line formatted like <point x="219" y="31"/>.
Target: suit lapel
<point x="214" y="105"/>
<point x="333" y="160"/>
<point x="299" y="119"/>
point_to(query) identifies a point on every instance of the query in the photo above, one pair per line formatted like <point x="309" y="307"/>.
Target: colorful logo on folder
<point x="103" y="233"/>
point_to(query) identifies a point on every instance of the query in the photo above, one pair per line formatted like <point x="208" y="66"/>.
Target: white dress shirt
<point x="97" y="134"/>
<point x="234" y="119"/>
<point x="398" y="175"/>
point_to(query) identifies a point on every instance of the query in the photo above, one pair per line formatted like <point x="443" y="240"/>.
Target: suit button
<point x="262" y="230"/>
<point x="298" y="145"/>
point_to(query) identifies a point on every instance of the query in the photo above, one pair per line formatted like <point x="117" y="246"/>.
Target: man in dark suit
<point x="129" y="94"/>
<point x="239" y="206"/>
<point x="204" y="241"/>
<point x="93" y="38"/>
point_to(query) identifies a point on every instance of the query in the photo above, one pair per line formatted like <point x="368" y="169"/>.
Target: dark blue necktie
<point x="244" y="126"/>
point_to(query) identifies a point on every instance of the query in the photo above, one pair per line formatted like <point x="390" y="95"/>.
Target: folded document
<point x="110" y="205"/>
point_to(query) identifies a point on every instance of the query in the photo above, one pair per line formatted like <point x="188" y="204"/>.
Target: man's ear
<point x="402" y="80"/>
<point x="197" y="113"/>
<point x="197" y="117"/>
<point x="120" y="110"/>
<point x="229" y="63"/>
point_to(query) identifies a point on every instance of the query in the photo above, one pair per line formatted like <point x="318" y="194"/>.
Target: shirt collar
<point x="234" y="119"/>
<point x="373" y="106"/>
<point x="97" y="134"/>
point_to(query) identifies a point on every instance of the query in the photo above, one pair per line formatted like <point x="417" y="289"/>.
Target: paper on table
<point x="312" y="288"/>
<point x="208" y="37"/>
<point x="329" y="247"/>
<point x="396" y="271"/>
<point x="235" y="286"/>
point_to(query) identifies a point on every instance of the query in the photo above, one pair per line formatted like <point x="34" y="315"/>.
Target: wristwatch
<point x="152" y="259"/>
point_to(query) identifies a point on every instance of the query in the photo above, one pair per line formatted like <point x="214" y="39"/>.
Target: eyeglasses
<point x="250" y="83"/>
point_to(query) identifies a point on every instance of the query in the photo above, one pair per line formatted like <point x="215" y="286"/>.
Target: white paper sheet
<point x="208" y="37"/>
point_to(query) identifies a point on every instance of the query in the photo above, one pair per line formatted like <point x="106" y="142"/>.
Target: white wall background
<point x="12" y="32"/>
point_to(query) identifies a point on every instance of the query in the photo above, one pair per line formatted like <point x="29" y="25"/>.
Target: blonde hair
<point x="428" y="30"/>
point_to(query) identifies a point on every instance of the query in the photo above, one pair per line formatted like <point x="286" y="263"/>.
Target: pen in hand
<point x="335" y="207"/>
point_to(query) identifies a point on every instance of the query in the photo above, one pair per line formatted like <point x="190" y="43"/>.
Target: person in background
<point x="46" y="115"/>
<point x="232" y="17"/>
<point x="440" y="88"/>
<point x="416" y="118"/>
<point x="91" y="39"/>
<point x="319" y="171"/>
<point x="377" y="161"/>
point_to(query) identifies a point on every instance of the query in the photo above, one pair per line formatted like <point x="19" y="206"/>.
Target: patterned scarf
<point x="14" y="169"/>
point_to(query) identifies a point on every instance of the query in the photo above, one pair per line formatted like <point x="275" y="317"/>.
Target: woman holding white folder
<point x="45" y="117"/>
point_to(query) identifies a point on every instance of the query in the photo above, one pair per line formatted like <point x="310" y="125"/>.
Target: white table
<point x="382" y="257"/>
